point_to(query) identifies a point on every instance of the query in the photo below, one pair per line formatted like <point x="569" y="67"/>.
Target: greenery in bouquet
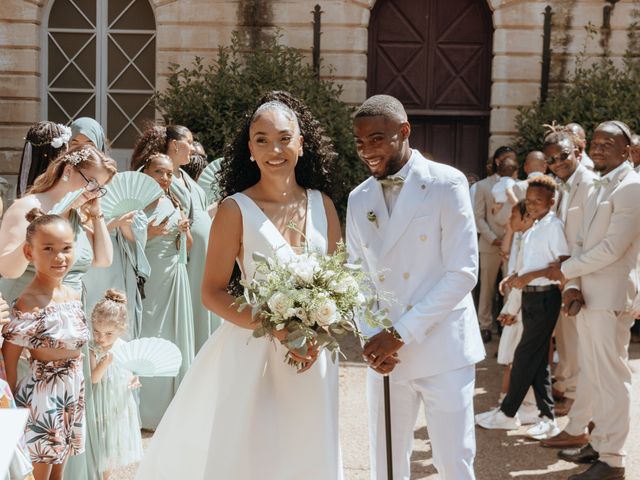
<point x="313" y="297"/>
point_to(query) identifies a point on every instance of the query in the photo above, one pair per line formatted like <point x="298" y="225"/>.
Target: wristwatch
<point x="97" y="216"/>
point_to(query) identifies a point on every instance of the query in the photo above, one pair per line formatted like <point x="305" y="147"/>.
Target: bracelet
<point x="99" y="216"/>
<point x="395" y="334"/>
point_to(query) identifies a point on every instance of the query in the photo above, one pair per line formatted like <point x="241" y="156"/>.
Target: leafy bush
<point x="210" y="101"/>
<point x="594" y="93"/>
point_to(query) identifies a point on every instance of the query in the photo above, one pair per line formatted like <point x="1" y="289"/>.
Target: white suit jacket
<point x="604" y="258"/>
<point x="425" y="256"/>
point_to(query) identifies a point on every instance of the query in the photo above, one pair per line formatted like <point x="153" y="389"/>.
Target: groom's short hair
<point x="382" y="106"/>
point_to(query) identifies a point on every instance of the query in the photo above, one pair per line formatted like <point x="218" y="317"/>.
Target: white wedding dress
<point x="241" y="412"/>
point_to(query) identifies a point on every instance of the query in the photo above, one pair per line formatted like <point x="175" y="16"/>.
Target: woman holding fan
<point x="167" y="311"/>
<point x="176" y="142"/>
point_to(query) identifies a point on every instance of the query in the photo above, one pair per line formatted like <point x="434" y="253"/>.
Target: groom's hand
<point x="381" y="349"/>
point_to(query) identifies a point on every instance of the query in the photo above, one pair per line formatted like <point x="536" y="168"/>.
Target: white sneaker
<point x="499" y="421"/>
<point x="544" y="429"/>
<point x="528" y="414"/>
<point x="487" y="414"/>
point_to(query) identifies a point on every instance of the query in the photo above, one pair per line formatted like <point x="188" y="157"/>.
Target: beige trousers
<point x="566" y="372"/>
<point x="489" y="267"/>
<point x="605" y="378"/>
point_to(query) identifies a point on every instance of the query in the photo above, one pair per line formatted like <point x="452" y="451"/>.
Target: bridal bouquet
<point x="313" y="297"/>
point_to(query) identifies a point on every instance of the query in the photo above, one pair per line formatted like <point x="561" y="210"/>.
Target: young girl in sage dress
<point x="119" y="440"/>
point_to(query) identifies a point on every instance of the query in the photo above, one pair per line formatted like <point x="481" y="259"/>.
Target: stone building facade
<point x="66" y="58"/>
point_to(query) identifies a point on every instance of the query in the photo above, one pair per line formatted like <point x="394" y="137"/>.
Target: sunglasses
<point x="92" y="186"/>
<point x="560" y="158"/>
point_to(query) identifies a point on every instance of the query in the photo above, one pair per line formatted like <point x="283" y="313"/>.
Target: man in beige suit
<point x="575" y="183"/>
<point x="603" y="277"/>
<point x="491" y="231"/>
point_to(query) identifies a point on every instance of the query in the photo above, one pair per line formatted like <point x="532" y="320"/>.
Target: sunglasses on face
<point x="560" y="158"/>
<point x="92" y="186"/>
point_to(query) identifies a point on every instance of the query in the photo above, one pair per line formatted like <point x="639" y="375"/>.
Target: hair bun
<point x="115" y="296"/>
<point x="34" y="214"/>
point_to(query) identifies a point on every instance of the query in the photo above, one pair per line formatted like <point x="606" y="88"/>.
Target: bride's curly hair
<point x="237" y="172"/>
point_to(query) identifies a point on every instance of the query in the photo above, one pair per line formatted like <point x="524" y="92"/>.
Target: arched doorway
<point x="99" y="61"/>
<point x="435" y="57"/>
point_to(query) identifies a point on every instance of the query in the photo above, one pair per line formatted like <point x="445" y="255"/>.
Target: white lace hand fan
<point x="127" y="192"/>
<point x="65" y="202"/>
<point x="149" y="357"/>
<point x="209" y="182"/>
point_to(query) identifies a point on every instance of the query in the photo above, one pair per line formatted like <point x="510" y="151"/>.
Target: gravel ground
<point x="500" y="456"/>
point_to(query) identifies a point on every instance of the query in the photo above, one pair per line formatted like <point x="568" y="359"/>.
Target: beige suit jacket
<point x="578" y="195"/>
<point x="604" y="256"/>
<point x="487" y="224"/>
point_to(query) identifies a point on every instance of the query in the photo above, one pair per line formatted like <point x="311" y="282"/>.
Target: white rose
<point x="303" y="270"/>
<point x="346" y="284"/>
<point x="325" y="314"/>
<point x="279" y="303"/>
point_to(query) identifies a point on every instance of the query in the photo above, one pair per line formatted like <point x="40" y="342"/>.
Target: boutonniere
<point x="372" y="217"/>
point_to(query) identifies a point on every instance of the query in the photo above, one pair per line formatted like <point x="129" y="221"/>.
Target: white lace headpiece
<point x="77" y="156"/>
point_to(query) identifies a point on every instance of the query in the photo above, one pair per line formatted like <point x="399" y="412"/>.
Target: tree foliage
<point x="211" y="99"/>
<point x="594" y="92"/>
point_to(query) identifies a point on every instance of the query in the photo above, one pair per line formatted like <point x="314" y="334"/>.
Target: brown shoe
<point x="562" y="407"/>
<point x="565" y="440"/>
<point x="600" y="471"/>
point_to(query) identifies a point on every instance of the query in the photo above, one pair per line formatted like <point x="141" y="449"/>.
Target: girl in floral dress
<point x="47" y="318"/>
<point x="119" y="440"/>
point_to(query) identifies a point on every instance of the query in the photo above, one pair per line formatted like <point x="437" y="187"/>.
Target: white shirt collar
<point x="572" y="178"/>
<point x="534" y="174"/>
<point x="404" y="171"/>
<point x="615" y="171"/>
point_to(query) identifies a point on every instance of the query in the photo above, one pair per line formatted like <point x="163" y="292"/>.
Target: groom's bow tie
<point x="393" y="181"/>
<point x="564" y="187"/>
<point x="601" y="182"/>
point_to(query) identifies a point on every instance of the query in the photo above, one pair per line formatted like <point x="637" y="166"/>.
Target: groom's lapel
<point x="415" y="188"/>
<point x="374" y="204"/>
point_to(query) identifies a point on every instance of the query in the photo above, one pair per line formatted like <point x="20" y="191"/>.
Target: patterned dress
<point x="119" y="440"/>
<point x="53" y="391"/>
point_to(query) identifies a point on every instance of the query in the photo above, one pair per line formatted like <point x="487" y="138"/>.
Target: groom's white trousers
<point x="448" y="403"/>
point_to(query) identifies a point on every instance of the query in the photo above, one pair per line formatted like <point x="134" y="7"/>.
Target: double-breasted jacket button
<point x="423" y="238"/>
<point x="405" y="275"/>
<point x="381" y="277"/>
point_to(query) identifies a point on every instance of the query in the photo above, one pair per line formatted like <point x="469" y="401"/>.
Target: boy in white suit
<point x="412" y="226"/>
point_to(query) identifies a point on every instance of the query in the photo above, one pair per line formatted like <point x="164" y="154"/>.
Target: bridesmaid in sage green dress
<point x="82" y="167"/>
<point x="167" y="309"/>
<point x="177" y="142"/>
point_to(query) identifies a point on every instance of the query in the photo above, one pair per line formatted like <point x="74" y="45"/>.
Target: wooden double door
<point x="435" y="57"/>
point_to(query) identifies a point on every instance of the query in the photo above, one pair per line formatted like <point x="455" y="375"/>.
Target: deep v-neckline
<point x="273" y="225"/>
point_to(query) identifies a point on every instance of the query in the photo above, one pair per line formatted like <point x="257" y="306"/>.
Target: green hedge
<point x="593" y="94"/>
<point x="210" y="100"/>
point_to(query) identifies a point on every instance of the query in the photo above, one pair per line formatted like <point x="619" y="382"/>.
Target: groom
<point x="411" y="224"/>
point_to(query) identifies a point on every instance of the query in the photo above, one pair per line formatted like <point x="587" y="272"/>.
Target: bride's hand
<point x="306" y="361"/>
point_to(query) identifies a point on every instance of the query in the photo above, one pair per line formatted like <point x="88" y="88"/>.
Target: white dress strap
<point x="317" y="225"/>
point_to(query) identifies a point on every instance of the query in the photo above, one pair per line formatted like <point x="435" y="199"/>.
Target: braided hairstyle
<point x="38" y="139"/>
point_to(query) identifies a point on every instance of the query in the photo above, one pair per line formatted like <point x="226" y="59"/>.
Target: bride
<point x="241" y="412"/>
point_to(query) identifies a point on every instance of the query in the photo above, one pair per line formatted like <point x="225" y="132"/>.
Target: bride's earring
<point x="301" y="152"/>
<point x="252" y="159"/>
<point x="65" y="178"/>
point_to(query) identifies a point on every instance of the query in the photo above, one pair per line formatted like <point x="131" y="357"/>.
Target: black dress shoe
<point x="486" y="335"/>
<point x="584" y="454"/>
<point x="600" y="471"/>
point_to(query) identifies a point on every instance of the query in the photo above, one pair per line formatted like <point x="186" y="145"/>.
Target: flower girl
<point x="48" y="320"/>
<point x="119" y="441"/>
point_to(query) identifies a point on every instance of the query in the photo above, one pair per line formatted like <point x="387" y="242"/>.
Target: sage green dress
<point x="83" y="466"/>
<point x="167" y="311"/>
<point x="129" y="263"/>
<point x="194" y="201"/>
